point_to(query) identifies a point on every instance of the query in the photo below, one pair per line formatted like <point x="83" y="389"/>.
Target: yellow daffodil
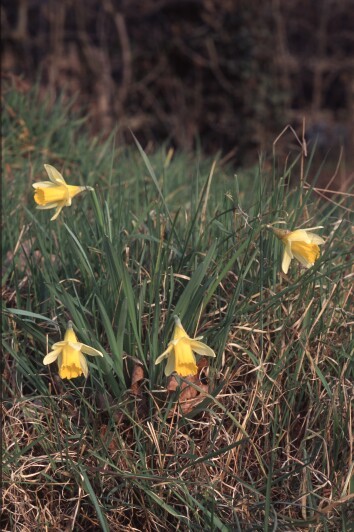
<point x="70" y="355"/>
<point x="301" y="244"/>
<point x="180" y="354"/>
<point x="55" y="194"/>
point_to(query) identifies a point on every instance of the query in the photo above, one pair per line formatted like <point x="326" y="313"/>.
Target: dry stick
<point x="303" y="146"/>
<point x="329" y="191"/>
<point x="303" y="155"/>
<point x="323" y="195"/>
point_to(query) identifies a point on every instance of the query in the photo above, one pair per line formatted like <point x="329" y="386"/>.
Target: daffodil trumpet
<point x="56" y="193"/>
<point x="300" y="244"/>
<point x="180" y="352"/>
<point x="70" y="355"/>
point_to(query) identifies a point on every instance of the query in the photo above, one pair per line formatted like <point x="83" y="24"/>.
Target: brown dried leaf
<point x="137" y="379"/>
<point x="190" y="396"/>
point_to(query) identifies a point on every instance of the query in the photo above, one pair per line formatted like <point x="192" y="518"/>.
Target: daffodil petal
<point x="305" y="262"/>
<point x="55" y="194"/>
<point x="313" y="228"/>
<point x="75" y="345"/>
<point x="48" y="206"/>
<point x="201" y="348"/>
<point x="305" y="253"/>
<point x="43" y="184"/>
<point x="316" y="239"/>
<point x="299" y="235"/>
<point x="54" y="175"/>
<point x="57" y="212"/>
<point x="185" y="363"/>
<point x="51" y="357"/>
<point x="164" y="354"/>
<point x="58" y="345"/>
<point x="287" y="256"/>
<point x="70" y="366"/>
<point x="91" y="351"/>
<point x="179" y="331"/>
<point x="83" y="364"/>
<point x="70" y="335"/>
<point x="170" y="366"/>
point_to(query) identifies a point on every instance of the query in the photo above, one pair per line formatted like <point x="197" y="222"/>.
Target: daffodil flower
<point x="180" y="354"/>
<point x="70" y="355"/>
<point x="301" y="244"/>
<point x="56" y="193"/>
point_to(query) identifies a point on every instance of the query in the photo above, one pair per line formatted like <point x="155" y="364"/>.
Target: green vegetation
<point x="267" y="444"/>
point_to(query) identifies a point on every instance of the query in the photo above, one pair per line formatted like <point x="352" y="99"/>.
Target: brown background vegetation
<point x="230" y="75"/>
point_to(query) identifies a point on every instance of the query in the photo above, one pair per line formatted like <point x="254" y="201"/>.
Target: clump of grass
<point x="270" y="443"/>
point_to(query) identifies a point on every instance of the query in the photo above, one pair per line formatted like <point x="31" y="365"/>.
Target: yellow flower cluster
<point x="69" y="354"/>
<point x="300" y="244"/>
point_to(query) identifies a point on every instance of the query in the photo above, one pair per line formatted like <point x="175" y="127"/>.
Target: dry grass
<point x="227" y="452"/>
